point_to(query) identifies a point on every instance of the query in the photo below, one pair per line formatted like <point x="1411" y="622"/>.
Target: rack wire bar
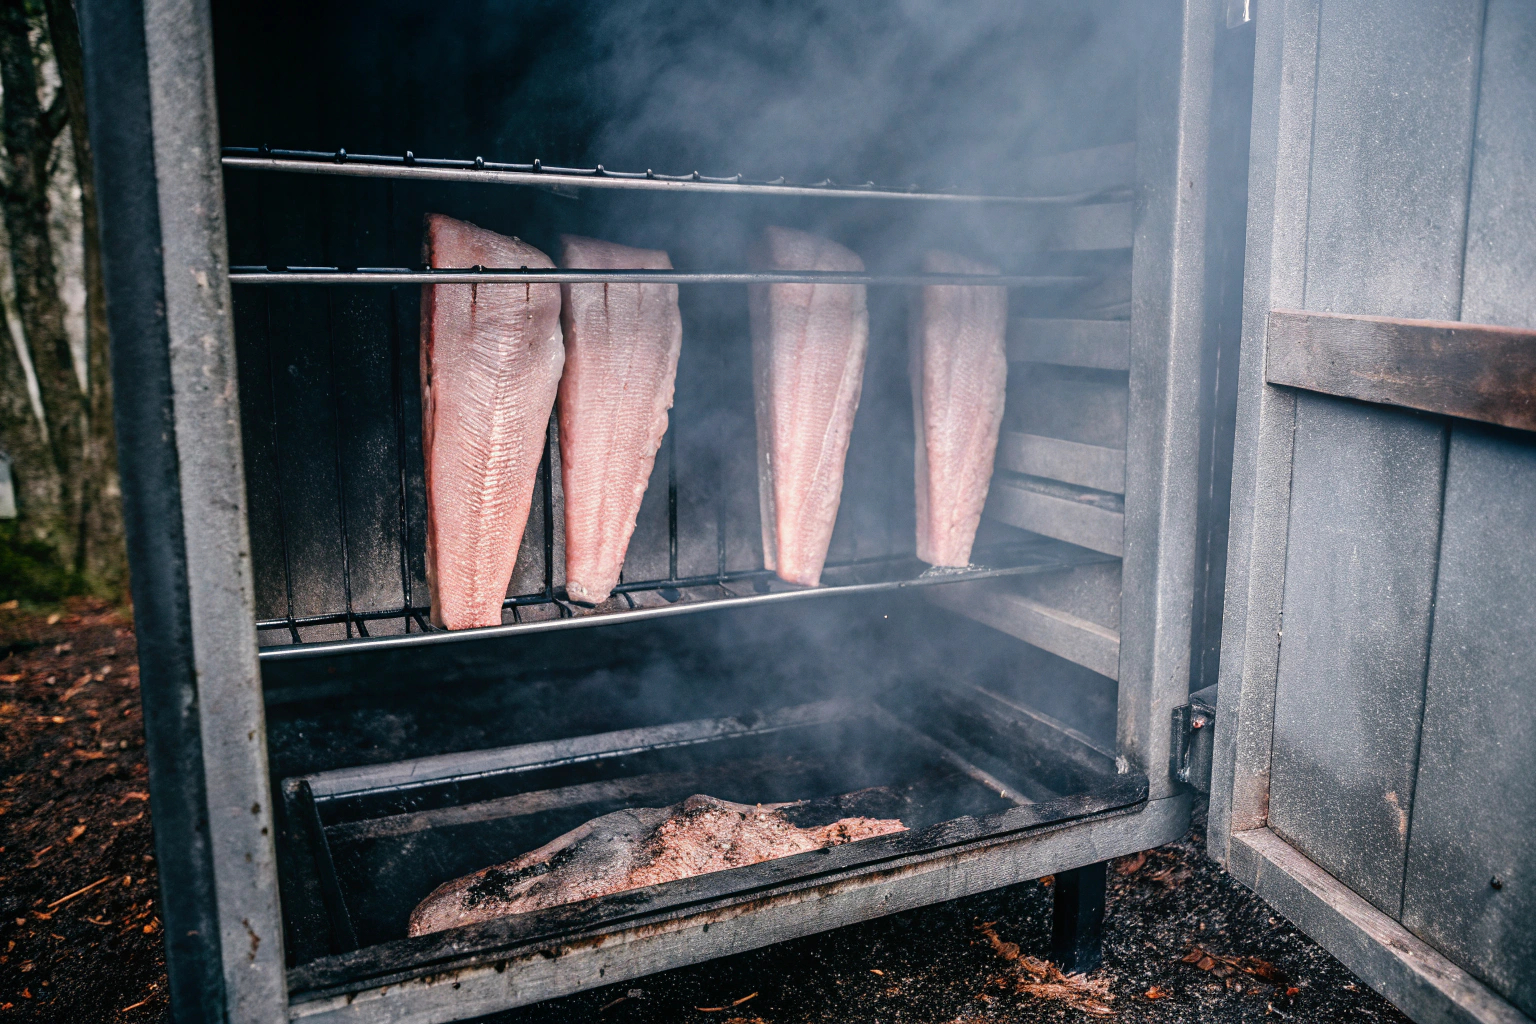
<point x="488" y="275"/>
<point x="862" y="577"/>
<point x="412" y="167"/>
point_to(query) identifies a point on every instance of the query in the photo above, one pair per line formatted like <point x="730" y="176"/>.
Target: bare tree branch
<point x="53" y="120"/>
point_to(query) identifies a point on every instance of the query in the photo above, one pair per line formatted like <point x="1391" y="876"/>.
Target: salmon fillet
<point x="808" y="346"/>
<point x="490" y="364"/>
<point x="621" y="348"/>
<point x="629" y="849"/>
<point x="959" y="366"/>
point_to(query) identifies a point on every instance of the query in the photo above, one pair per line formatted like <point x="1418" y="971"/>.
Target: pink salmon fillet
<point x="621" y="348"/>
<point x="632" y="848"/>
<point x="959" y="366"/>
<point x="490" y="363"/>
<point x="808" y="346"/>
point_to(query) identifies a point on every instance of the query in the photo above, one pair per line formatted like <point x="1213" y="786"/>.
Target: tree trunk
<point x="28" y="133"/>
<point x="105" y="561"/>
<point x="36" y="479"/>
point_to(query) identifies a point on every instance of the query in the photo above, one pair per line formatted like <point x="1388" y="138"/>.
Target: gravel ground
<point x="1184" y="941"/>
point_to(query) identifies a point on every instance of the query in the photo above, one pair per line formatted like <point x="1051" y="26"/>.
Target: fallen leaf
<point x="1131" y="865"/>
<point x="75" y="833"/>
<point x="1225" y="966"/>
<point x="16" y="678"/>
<point x="1044" y="980"/>
<point x="874" y="970"/>
<point x="54" y="618"/>
<point x="133" y="796"/>
<point x="1155" y="993"/>
<point x="10" y="605"/>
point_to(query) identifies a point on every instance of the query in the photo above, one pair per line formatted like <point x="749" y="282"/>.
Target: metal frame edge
<point x="206" y="420"/>
<point x="118" y="104"/>
<point x="1164" y="415"/>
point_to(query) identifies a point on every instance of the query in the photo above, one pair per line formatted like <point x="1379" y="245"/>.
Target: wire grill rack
<point x="250" y="275"/>
<point x="669" y="595"/>
<point x="411" y="167"/>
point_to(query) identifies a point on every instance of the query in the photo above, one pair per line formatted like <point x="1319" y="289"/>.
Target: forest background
<point x="61" y="531"/>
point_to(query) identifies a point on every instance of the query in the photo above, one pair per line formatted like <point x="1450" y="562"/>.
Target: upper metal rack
<point x="497" y="275"/>
<point x="412" y="167"/>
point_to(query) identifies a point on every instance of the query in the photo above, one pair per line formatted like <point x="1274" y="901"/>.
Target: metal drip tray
<point x="364" y="845"/>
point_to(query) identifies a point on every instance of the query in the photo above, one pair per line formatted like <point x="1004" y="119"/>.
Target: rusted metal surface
<point x="1471" y="371"/>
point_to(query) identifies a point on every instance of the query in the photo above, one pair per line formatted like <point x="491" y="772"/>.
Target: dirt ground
<point x="80" y="938"/>
<point x="79" y="933"/>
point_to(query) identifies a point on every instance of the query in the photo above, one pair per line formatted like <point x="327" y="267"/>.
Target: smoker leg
<point x="1077" y="929"/>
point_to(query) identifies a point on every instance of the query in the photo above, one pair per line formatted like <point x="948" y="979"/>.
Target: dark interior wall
<point x="766" y="87"/>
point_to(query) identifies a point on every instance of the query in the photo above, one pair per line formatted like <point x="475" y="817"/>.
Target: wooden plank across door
<point x="1470" y="371"/>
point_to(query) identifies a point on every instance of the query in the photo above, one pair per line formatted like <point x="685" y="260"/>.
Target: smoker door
<point x="1375" y="771"/>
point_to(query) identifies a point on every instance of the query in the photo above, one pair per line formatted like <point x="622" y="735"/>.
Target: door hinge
<point x="1194" y="728"/>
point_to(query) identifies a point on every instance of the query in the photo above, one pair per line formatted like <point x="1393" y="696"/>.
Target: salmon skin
<point x="621" y="348"/>
<point x="808" y="347"/>
<point x="490" y="363"/>
<point x="631" y="849"/>
<point x="959" y="366"/>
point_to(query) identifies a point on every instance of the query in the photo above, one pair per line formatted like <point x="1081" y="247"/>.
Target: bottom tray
<point x="364" y="845"/>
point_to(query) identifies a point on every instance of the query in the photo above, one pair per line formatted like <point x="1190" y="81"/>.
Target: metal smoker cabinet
<point x="1138" y="507"/>
<point x="1375" y="761"/>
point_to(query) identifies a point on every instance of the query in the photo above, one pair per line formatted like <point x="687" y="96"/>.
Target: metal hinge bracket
<point x="1194" y="728"/>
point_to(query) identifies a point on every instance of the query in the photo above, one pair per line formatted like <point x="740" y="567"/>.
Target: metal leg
<point x="1077" y="927"/>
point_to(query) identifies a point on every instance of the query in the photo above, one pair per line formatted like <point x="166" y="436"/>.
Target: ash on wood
<point x="1472" y="371"/>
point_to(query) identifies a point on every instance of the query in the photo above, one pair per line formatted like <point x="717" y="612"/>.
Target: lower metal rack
<point x="650" y="598"/>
